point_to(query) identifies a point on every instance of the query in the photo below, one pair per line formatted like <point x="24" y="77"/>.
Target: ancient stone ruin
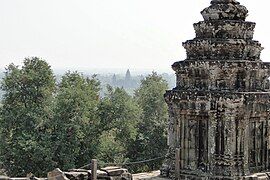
<point x="219" y="110"/>
<point x="107" y="173"/>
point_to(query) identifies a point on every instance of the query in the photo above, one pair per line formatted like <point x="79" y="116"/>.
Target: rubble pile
<point x="107" y="173"/>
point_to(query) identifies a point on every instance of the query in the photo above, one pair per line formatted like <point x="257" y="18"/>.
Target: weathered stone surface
<point x="76" y="175"/>
<point x="224" y="2"/>
<point x="4" y="177"/>
<point x="155" y="175"/>
<point x="126" y="176"/>
<point x="225" y="11"/>
<point x="222" y="75"/>
<point x="114" y="171"/>
<point x="29" y="178"/>
<point x="22" y="178"/>
<point x="222" y="49"/>
<point x="56" y="174"/>
<point x="100" y="174"/>
<point x="219" y="111"/>
<point x="78" y="170"/>
<point x="224" y="29"/>
<point x="108" y="173"/>
<point x="258" y="176"/>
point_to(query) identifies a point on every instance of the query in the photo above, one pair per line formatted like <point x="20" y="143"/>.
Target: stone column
<point x="212" y="122"/>
<point x="246" y="144"/>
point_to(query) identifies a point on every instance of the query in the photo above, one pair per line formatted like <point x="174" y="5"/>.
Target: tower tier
<point x="229" y="29"/>
<point x="220" y="135"/>
<point x="218" y="49"/>
<point x="243" y="76"/>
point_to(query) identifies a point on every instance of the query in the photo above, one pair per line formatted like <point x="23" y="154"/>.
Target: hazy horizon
<point x="107" y="71"/>
<point x="105" y="34"/>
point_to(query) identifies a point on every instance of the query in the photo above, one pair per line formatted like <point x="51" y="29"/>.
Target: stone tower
<point x="219" y="124"/>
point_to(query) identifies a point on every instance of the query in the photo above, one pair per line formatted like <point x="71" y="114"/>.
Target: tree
<point x="119" y="115"/>
<point x="75" y="125"/>
<point x="25" y="113"/>
<point x="1" y="163"/>
<point x="110" y="148"/>
<point x="150" y="141"/>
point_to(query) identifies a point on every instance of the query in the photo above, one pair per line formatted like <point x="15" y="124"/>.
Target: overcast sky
<point x="97" y="34"/>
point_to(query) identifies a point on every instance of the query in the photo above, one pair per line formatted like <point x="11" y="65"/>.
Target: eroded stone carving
<point x="220" y="107"/>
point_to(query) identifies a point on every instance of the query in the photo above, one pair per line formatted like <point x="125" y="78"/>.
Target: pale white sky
<point x="88" y="34"/>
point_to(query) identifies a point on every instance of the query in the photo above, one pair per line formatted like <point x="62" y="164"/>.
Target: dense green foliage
<point x="151" y="138"/>
<point x="45" y="125"/>
<point x="120" y="116"/>
<point x="75" y="120"/>
<point x="25" y="112"/>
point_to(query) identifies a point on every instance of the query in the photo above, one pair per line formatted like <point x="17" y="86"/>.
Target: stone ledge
<point x="155" y="175"/>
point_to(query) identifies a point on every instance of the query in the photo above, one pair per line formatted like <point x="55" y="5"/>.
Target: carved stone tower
<point x="219" y="110"/>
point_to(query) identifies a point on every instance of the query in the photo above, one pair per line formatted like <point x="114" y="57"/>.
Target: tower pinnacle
<point x="224" y="2"/>
<point x="225" y="10"/>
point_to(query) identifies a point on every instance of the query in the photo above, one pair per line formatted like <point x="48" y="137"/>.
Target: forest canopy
<point x="46" y="124"/>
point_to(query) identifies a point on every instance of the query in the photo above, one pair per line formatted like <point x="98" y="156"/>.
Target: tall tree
<point x="75" y="125"/>
<point x="151" y="139"/>
<point x="25" y="113"/>
<point x="119" y="115"/>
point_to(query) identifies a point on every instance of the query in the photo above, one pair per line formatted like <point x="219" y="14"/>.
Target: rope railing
<point x="132" y="163"/>
<point x="123" y="164"/>
<point x="85" y="166"/>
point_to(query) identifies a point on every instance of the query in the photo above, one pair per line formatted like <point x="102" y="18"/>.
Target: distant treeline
<point x="128" y="82"/>
<point x="47" y="123"/>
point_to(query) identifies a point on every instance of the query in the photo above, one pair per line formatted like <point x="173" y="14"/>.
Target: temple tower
<point x="219" y="110"/>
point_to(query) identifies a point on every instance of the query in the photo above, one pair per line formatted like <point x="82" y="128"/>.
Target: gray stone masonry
<point x="220" y="108"/>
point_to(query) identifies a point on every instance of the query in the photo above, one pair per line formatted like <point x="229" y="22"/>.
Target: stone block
<point x="114" y="171"/>
<point x="56" y="174"/>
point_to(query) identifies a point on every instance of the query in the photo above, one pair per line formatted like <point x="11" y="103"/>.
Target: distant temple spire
<point x="128" y="76"/>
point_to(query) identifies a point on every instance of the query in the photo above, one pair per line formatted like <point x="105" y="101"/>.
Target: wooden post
<point x="93" y="169"/>
<point x="177" y="163"/>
